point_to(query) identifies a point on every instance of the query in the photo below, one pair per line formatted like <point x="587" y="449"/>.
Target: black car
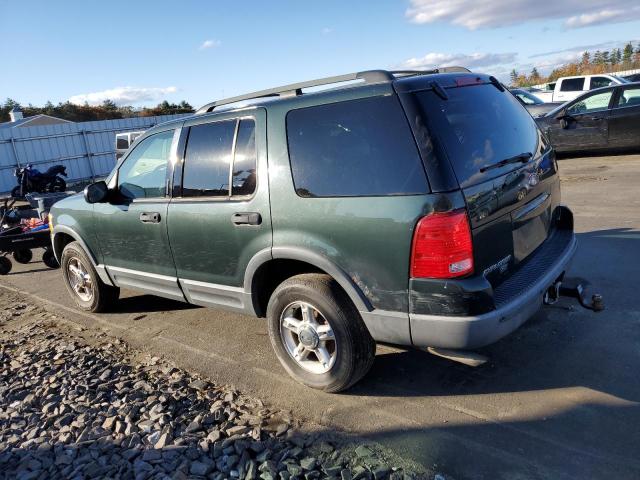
<point x="603" y="119"/>
<point x="533" y="104"/>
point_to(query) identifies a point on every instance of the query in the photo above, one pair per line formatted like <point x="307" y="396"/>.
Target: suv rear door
<point x="624" y="120"/>
<point x="505" y="169"/>
<point x="219" y="216"/>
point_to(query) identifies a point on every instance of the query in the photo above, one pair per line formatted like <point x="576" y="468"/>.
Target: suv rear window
<point x="355" y="148"/>
<point x="478" y="126"/>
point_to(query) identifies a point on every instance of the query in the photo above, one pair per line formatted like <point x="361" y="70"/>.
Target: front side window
<point x="355" y="148"/>
<point x="592" y="103"/>
<point x="629" y="97"/>
<point x="572" y="85"/>
<point x="143" y="173"/>
<point x="599" y="82"/>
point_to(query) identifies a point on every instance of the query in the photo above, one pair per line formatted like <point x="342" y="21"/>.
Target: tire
<point x="86" y="288"/>
<point x="49" y="259"/>
<point x="5" y="266"/>
<point x="23" y="255"/>
<point x="58" y="185"/>
<point x="350" y="346"/>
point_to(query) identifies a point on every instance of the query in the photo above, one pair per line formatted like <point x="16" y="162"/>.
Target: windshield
<point x="620" y="79"/>
<point x="527" y="98"/>
<point x="479" y="126"/>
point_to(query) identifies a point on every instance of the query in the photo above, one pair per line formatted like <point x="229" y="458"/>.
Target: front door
<point x="132" y="227"/>
<point x="584" y="123"/>
<point x="624" y="123"/>
<point x="219" y="216"/>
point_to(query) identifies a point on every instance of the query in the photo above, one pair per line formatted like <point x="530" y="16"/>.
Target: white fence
<point x="87" y="149"/>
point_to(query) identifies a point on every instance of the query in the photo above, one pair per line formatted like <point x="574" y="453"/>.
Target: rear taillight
<point x="442" y="246"/>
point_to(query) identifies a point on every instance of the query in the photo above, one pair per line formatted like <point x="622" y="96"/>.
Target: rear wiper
<point x="520" y="158"/>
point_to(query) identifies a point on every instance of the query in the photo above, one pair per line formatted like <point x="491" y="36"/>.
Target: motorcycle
<point x="32" y="180"/>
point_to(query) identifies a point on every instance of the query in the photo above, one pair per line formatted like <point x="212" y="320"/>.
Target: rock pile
<point x="73" y="410"/>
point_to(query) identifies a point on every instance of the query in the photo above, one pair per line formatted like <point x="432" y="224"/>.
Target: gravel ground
<point x="78" y="404"/>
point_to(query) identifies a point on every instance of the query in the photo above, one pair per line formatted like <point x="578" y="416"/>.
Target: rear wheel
<point x="83" y="283"/>
<point x="5" y="266"/>
<point x="58" y="185"/>
<point x="23" y="255"/>
<point x="317" y="333"/>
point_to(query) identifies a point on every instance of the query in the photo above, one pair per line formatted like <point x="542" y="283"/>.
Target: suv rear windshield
<point x="479" y="126"/>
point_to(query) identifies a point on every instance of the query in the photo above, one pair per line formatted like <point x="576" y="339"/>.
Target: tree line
<point x="625" y="58"/>
<point x="108" y="110"/>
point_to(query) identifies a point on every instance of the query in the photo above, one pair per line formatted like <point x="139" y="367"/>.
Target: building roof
<point x="34" y="121"/>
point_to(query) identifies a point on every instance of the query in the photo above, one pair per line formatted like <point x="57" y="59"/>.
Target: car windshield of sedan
<point x="527" y="98"/>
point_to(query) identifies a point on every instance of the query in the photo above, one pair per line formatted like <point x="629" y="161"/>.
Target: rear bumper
<point x="516" y="301"/>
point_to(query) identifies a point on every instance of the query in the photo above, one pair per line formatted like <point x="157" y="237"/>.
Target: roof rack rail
<point x="294" y="89"/>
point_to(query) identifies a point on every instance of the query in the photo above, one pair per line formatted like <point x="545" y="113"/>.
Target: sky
<point x="142" y="52"/>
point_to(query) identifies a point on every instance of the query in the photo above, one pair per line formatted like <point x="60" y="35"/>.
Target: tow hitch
<point x="558" y="290"/>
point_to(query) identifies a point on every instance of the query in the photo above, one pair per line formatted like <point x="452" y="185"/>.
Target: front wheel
<point x="83" y="283"/>
<point x="317" y="333"/>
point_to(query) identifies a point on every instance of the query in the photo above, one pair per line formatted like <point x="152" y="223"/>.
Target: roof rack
<point x="295" y="89"/>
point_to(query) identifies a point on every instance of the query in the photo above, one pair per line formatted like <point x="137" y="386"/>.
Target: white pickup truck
<point x="568" y="88"/>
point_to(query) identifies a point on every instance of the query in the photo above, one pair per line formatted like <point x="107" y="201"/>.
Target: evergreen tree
<point x="627" y="53"/>
<point x="586" y="58"/>
<point x="514" y="76"/>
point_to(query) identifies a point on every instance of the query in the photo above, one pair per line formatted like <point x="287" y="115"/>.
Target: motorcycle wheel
<point x="58" y="185"/>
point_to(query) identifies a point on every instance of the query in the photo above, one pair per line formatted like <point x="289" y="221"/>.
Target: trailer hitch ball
<point x="597" y="304"/>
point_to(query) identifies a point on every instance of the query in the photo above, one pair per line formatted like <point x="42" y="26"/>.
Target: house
<point x="18" y="120"/>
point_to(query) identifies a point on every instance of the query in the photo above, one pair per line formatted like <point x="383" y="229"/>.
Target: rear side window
<point x="207" y="160"/>
<point x="629" y="97"/>
<point x="572" y="85"/>
<point x="356" y="148"/>
<point x="478" y="126"/>
<point x="599" y="82"/>
<point x="211" y="161"/>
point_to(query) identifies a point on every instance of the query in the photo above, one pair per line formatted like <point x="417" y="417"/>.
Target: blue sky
<point x="143" y="52"/>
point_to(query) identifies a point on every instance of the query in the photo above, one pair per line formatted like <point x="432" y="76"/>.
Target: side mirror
<point x="96" y="192"/>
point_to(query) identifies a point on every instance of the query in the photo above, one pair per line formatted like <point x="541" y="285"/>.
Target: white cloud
<point x="471" y="61"/>
<point x="474" y="14"/>
<point x="123" y="95"/>
<point x="209" y="44"/>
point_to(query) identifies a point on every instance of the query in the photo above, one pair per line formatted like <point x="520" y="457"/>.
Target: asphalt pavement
<point x="558" y="399"/>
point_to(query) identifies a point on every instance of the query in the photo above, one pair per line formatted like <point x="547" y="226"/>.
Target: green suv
<point x="411" y="208"/>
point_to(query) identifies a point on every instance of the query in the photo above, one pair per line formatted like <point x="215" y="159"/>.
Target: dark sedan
<point x="533" y="104"/>
<point x="602" y="119"/>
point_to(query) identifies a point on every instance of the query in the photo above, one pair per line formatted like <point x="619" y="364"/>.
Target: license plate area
<point x="530" y="226"/>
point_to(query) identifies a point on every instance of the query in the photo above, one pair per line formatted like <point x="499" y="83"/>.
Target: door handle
<point x="597" y="119"/>
<point x="150" y="217"/>
<point x="246" y="218"/>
